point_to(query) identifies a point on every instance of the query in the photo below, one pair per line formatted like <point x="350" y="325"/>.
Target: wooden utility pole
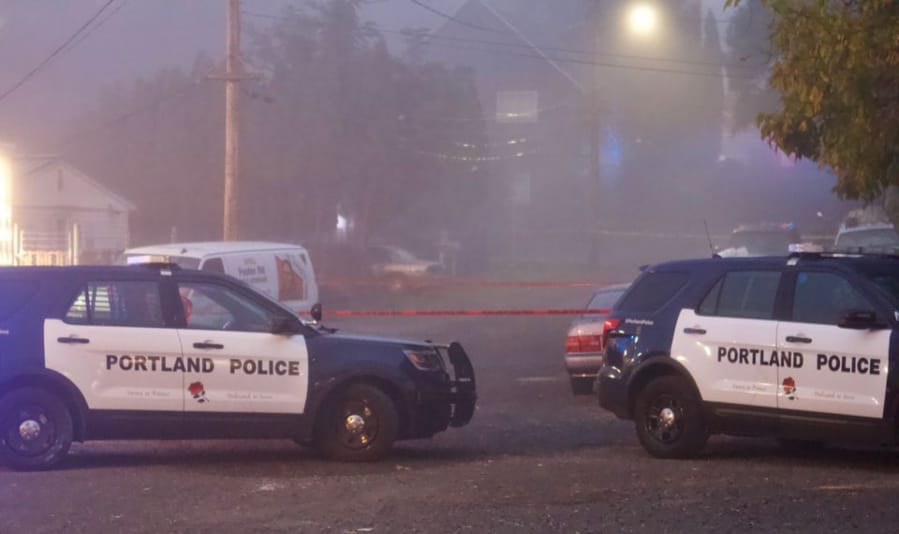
<point x="233" y="76"/>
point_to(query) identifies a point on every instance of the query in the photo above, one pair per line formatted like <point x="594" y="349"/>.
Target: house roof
<point x="33" y="166"/>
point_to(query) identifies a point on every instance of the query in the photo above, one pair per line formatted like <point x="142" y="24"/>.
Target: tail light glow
<point x="607" y="327"/>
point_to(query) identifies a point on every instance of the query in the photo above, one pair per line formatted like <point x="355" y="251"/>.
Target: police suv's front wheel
<point x="358" y="424"/>
<point x="35" y="429"/>
<point x="669" y="420"/>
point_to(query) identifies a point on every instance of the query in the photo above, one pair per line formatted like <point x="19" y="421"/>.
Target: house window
<point x="516" y="106"/>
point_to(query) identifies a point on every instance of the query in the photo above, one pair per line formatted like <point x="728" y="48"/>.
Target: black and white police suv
<point x="801" y="348"/>
<point x="153" y="351"/>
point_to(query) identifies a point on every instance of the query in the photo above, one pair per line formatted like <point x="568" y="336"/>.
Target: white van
<point x="281" y="271"/>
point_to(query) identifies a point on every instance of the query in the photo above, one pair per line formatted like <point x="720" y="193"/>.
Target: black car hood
<point x="380" y="340"/>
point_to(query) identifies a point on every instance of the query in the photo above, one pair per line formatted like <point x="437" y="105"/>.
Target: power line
<point x="561" y="59"/>
<point x="586" y="62"/>
<point x="56" y="52"/>
<point x="449" y="17"/>
<point x="570" y="50"/>
<point x="99" y="24"/>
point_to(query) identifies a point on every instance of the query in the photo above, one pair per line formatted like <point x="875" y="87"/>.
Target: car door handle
<point x="798" y="339"/>
<point x="208" y="345"/>
<point x="697" y="331"/>
<point x="73" y="339"/>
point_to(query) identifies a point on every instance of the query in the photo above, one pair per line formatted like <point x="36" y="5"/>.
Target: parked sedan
<point x="586" y="339"/>
<point x="399" y="270"/>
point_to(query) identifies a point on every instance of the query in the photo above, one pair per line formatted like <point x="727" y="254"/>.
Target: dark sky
<point x="143" y="36"/>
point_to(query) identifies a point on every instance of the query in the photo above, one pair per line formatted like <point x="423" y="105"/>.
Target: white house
<point x="61" y="216"/>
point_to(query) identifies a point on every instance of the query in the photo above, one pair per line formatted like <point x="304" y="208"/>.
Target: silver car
<point x="585" y="339"/>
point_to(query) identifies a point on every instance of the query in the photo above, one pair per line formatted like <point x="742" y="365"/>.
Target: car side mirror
<point x="860" y="320"/>
<point x="284" y="326"/>
<point x="316" y="312"/>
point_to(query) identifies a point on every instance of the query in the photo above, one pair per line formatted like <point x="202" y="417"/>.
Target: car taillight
<point x="592" y="343"/>
<point x="607" y="327"/>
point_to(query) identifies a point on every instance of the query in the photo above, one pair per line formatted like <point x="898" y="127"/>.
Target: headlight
<point x="424" y="359"/>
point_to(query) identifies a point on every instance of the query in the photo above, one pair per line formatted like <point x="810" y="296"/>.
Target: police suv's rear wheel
<point x="359" y="424"/>
<point x="669" y="420"/>
<point x="35" y="429"/>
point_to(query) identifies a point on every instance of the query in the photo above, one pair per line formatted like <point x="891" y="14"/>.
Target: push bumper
<point x="463" y="388"/>
<point x="436" y="407"/>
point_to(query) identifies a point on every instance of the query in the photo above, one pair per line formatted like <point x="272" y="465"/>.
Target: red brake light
<point x="607" y="327"/>
<point x="591" y="343"/>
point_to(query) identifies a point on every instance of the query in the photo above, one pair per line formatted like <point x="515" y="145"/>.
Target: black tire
<point x="334" y="436"/>
<point x="669" y="419"/>
<point x="582" y="386"/>
<point x="35" y="429"/>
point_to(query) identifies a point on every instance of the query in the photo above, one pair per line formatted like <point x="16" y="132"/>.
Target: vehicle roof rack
<point x="842" y="254"/>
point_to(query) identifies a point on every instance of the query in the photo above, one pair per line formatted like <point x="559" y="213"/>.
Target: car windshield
<point x="401" y="256"/>
<point x="881" y="238"/>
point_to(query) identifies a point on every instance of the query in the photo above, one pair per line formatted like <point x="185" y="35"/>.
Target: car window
<point x="214" y="265"/>
<point x="652" y="292"/>
<point x="604" y="300"/>
<point x="884" y="238"/>
<point x="213" y="307"/>
<point x="743" y="294"/>
<point x="888" y="284"/>
<point x="824" y="298"/>
<point x="117" y="303"/>
<point x="399" y="255"/>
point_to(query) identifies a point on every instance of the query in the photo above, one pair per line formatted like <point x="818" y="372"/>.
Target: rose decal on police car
<point x="789" y="386"/>
<point x="198" y="392"/>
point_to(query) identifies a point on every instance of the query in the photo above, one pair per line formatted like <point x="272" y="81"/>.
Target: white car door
<point x="114" y="346"/>
<point x="845" y="370"/>
<point x="728" y="344"/>
<point x="234" y="363"/>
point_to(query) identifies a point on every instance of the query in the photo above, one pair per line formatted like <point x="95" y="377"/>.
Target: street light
<point x="643" y="19"/>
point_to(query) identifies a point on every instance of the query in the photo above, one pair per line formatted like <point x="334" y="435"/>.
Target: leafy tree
<point x="837" y="72"/>
<point x="336" y="124"/>
<point x="748" y="62"/>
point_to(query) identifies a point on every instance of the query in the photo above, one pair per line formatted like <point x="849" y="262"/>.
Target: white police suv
<point x="802" y="348"/>
<point x="154" y="351"/>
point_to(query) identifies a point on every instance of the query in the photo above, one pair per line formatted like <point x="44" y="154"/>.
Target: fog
<point x="539" y="138"/>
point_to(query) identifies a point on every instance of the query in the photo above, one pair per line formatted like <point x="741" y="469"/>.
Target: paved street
<point x="534" y="459"/>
